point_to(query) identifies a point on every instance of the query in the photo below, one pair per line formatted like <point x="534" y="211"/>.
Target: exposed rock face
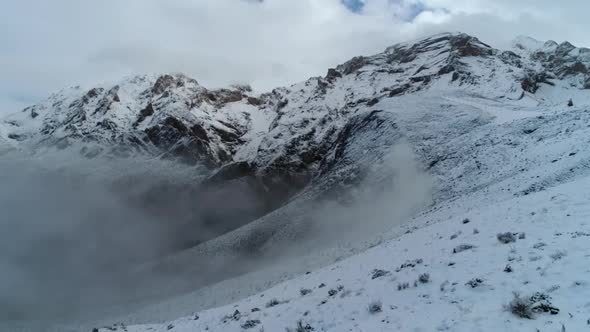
<point x="332" y="75"/>
<point x="465" y="45"/>
<point x="352" y="66"/>
<point x="564" y="61"/>
<point x="173" y="136"/>
<point x="532" y="81"/>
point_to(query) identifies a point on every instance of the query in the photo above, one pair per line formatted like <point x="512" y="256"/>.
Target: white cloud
<point x="47" y="45"/>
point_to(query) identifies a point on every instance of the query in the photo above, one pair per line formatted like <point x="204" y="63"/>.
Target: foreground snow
<point x="463" y="291"/>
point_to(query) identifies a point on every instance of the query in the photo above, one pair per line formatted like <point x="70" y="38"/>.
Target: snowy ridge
<point x="289" y="126"/>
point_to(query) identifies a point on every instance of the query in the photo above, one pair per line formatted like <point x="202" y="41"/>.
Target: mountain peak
<point x="462" y="43"/>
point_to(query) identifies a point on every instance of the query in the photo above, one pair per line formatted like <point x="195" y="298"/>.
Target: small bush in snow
<point x="527" y="307"/>
<point x="506" y="237"/>
<point x="249" y="324"/>
<point x="508" y="268"/>
<point x="475" y="231"/>
<point x="466" y="221"/>
<point x="475" y="282"/>
<point x="375" y="307"/>
<point x="304" y="291"/>
<point x="407" y="264"/>
<point x="272" y="303"/>
<point x="301" y="327"/>
<point x="332" y="292"/>
<point x="462" y="247"/>
<point x="377" y="273"/>
<point x="521" y="236"/>
<point x="403" y="285"/>
<point x="424" y="278"/>
<point x="558" y="255"/>
<point x="520" y="307"/>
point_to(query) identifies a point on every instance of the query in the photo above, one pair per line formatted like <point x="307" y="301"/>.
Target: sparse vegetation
<point x="301" y="327"/>
<point x="403" y="285"/>
<point x="475" y="282"/>
<point x="462" y="247"/>
<point x="251" y="323"/>
<point x="506" y="237"/>
<point x="377" y="273"/>
<point x="408" y="264"/>
<point x="520" y="307"/>
<point x="558" y="255"/>
<point x="527" y="307"/>
<point x="304" y="291"/>
<point x="272" y="303"/>
<point x="424" y="278"/>
<point x="375" y="307"/>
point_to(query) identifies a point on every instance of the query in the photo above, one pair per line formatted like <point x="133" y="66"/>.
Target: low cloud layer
<point x="50" y="45"/>
<point x="78" y="237"/>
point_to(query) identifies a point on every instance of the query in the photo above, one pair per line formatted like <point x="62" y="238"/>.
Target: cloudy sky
<point x="48" y="45"/>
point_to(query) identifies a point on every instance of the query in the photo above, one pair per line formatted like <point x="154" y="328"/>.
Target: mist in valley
<point x="79" y="236"/>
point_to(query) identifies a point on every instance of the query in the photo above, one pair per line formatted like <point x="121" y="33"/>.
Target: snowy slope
<point x="464" y="291"/>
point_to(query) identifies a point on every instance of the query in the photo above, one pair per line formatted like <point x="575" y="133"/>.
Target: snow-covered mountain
<point x="439" y="129"/>
<point x="292" y="127"/>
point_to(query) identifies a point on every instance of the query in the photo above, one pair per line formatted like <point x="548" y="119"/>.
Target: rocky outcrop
<point x="532" y="81"/>
<point x="189" y="145"/>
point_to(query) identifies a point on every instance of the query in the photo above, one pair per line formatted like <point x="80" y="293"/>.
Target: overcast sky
<point x="47" y="45"/>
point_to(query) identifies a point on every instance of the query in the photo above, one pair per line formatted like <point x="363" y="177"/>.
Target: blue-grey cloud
<point x="354" y="5"/>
